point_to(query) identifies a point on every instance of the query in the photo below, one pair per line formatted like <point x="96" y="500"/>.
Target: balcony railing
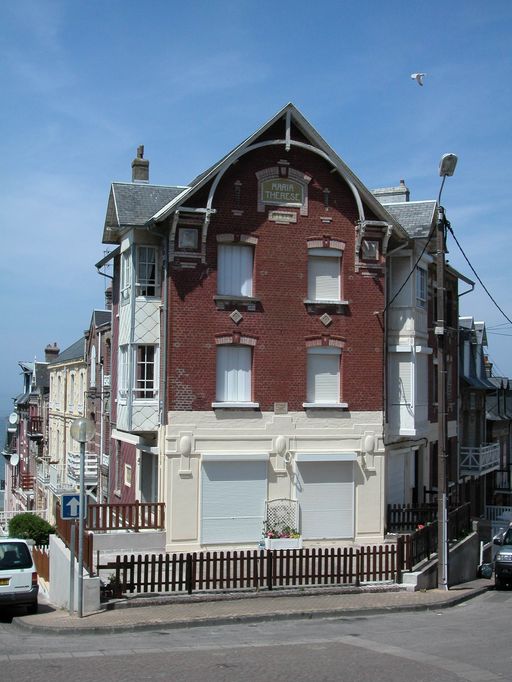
<point x="35" y="427"/>
<point x="43" y="473"/>
<point x="59" y="481"/>
<point x="27" y="481"/>
<point x="90" y="470"/>
<point x="479" y="460"/>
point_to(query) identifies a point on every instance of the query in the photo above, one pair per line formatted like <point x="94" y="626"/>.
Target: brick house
<point x="248" y="329"/>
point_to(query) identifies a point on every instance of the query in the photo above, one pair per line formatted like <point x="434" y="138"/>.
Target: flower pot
<point x="283" y="543"/>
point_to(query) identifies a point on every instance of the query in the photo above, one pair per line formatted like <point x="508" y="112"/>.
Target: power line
<point x="477" y="275"/>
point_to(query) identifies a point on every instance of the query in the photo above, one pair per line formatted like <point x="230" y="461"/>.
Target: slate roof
<point x="416" y="217"/>
<point x="74" y="352"/>
<point x="100" y="317"/>
<point x="132" y="204"/>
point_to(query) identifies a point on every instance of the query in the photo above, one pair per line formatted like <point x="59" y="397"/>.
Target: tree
<point x="30" y="527"/>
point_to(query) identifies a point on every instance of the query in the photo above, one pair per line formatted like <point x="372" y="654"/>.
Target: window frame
<point x="126" y="276"/>
<point x="244" y="288"/>
<point x="241" y="365"/>
<point x="323" y="255"/>
<point x="147" y="286"/>
<point x="145" y="372"/>
<point x="421" y="287"/>
<point x="311" y="391"/>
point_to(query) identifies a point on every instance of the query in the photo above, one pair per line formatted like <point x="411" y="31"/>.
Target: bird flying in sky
<point x="418" y="77"/>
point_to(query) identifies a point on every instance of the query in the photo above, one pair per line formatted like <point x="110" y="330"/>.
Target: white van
<point x="18" y="576"/>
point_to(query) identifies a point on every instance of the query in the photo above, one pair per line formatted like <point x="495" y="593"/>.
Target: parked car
<point x="18" y="576"/>
<point x="503" y="559"/>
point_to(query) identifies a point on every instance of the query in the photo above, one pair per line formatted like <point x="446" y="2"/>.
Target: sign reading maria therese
<point x="282" y="191"/>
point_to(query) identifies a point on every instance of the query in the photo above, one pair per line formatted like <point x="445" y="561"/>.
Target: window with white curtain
<point x="145" y="372"/>
<point x="146" y="271"/>
<point x="234" y="373"/>
<point x="126" y="276"/>
<point x="234" y="270"/>
<point x="324" y="274"/>
<point x="323" y="380"/>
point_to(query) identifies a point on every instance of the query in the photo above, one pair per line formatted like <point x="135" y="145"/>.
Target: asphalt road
<point x="467" y="642"/>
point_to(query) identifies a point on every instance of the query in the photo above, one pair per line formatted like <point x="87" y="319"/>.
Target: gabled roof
<point x="132" y="204"/>
<point x="416" y="217"/>
<point x="100" y="317"/>
<point x="74" y="352"/>
<point x="289" y="114"/>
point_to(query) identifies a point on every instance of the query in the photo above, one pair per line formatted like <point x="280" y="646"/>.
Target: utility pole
<point x="446" y="169"/>
<point x="440" y="331"/>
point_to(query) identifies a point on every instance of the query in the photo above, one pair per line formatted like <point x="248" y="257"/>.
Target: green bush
<point x="30" y="527"/>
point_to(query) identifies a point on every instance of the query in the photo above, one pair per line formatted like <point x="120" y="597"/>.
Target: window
<point x="188" y="239"/>
<point x="146" y="271"/>
<point x="145" y="375"/>
<point x="71" y="397"/>
<point x="92" y="376"/>
<point x="370" y="249"/>
<point x="234" y="373"/>
<point x="128" y="475"/>
<point x="122" y="372"/>
<point x="126" y="276"/>
<point x="234" y="270"/>
<point x="323" y="375"/>
<point x="421" y="287"/>
<point x="324" y="274"/>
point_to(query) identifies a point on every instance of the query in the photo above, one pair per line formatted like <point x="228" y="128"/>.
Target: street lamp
<point x="446" y="169"/>
<point x="82" y="430"/>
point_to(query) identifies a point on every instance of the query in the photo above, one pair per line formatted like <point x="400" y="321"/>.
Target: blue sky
<point x="84" y="83"/>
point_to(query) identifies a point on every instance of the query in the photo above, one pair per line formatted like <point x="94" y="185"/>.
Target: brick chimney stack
<point x="108" y="298"/>
<point x="140" y="166"/>
<point x="51" y="352"/>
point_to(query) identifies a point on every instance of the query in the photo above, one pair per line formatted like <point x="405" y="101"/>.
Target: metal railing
<point x="59" y="481"/>
<point x="91" y="468"/>
<point x="479" y="460"/>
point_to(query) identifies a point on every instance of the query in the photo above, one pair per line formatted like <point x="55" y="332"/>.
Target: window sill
<point x="223" y="300"/>
<point x="235" y="406"/>
<point x="331" y="306"/>
<point x="325" y="406"/>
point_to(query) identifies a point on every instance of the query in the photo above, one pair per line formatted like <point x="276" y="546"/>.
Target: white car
<point x="18" y="575"/>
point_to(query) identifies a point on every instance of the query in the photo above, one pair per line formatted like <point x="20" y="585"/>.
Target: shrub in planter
<point x="30" y="527"/>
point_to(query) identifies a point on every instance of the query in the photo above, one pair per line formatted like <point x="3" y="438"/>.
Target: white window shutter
<point x="323" y="376"/>
<point x="234" y="373"/>
<point x="323" y="278"/>
<point x="234" y="270"/>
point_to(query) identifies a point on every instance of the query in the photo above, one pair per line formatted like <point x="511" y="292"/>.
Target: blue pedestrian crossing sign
<point x="70" y="507"/>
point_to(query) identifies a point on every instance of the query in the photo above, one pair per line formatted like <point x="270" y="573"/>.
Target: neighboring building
<point x="499" y="430"/>
<point x="479" y="452"/>
<point x="98" y="357"/>
<point x="68" y="385"/>
<point x="249" y="342"/>
<point x="26" y="435"/>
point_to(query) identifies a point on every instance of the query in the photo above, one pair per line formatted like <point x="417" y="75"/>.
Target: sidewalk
<point x="183" y="611"/>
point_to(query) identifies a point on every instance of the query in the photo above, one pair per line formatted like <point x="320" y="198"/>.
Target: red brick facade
<point x="282" y="324"/>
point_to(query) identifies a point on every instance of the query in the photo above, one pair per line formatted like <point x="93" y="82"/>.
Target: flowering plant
<point x="276" y="531"/>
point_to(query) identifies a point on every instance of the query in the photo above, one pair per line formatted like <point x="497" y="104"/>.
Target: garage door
<point x="233" y="500"/>
<point x="396" y="478"/>
<point x="325" y="491"/>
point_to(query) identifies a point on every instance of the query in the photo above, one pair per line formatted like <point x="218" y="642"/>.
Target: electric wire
<point x="476" y="274"/>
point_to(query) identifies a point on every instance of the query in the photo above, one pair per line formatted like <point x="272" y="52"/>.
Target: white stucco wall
<point x="60" y="580"/>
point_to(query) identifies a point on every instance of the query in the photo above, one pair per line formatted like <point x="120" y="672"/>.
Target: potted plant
<point x="281" y="537"/>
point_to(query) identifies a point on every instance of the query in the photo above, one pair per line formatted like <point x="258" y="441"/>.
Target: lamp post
<point x="82" y="430"/>
<point x="446" y="169"/>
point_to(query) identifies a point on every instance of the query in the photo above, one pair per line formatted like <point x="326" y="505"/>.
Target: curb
<point x="250" y="618"/>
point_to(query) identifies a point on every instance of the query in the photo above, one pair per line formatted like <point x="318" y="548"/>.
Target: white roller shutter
<point x="324" y="277"/>
<point x="325" y="491"/>
<point x="323" y="375"/>
<point x="233" y="500"/>
<point x="396" y="478"/>
<point x="234" y="270"/>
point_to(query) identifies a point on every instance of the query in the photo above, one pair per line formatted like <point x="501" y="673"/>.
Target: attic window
<point x="188" y="239"/>
<point x="370" y="249"/>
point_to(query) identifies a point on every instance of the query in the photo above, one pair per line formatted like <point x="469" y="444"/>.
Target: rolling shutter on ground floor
<point x="325" y="491"/>
<point x="233" y="501"/>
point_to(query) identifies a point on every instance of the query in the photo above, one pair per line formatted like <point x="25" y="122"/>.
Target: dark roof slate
<point x="74" y="352"/>
<point x="137" y="203"/>
<point x="100" y="317"/>
<point x="416" y="217"/>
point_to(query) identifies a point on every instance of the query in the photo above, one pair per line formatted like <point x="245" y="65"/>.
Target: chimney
<point x="51" y="352"/>
<point x="108" y="298"/>
<point x="392" y="195"/>
<point x="140" y="166"/>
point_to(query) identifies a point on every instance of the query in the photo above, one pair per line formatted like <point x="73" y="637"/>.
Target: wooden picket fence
<point x="42" y="561"/>
<point x="256" y="569"/>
